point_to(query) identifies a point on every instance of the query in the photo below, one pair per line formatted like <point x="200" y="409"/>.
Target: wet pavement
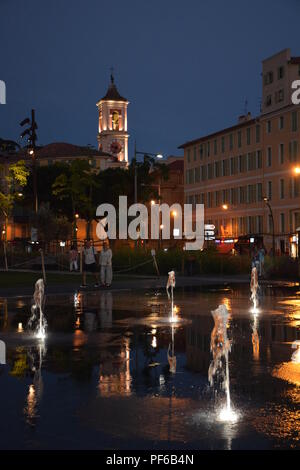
<point x="105" y="376"/>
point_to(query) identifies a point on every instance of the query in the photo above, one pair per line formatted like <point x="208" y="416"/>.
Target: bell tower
<point x="112" y="128"/>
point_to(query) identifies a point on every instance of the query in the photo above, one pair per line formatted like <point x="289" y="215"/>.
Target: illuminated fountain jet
<point x="218" y="371"/>
<point x="37" y="310"/>
<point x="254" y="289"/>
<point x="296" y="355"/>
<point x="170" y="286"/>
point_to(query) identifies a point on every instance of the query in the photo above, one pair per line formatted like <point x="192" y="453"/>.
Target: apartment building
<point x="246" y="175"/>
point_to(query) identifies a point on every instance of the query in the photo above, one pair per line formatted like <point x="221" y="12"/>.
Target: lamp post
<point x="136" y="153"/>
<point x="32" y="138"/>
<point x="267" y="202"/>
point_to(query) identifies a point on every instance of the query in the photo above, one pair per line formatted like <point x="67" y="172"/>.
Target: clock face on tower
<point x="115" y="147"/>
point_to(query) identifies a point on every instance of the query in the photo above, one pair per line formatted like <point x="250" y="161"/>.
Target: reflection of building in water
<point x="115" y="377"/>
<point x="198" y="344"/>
<point x="105" y="313"/>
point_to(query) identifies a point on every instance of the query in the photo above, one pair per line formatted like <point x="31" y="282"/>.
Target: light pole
<point x="267" y="202"/>
<point x="136" y="153"/>
<point x="32" y="138"/>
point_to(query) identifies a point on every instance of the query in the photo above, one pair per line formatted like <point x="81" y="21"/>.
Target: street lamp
<point x="267" y="202"/>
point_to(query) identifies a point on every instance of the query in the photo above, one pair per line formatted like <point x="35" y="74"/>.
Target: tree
<point x="11" y="185"/>
<point x="52" y="227"/>
<point x="15" y="179"/>
<point x="46" y="176"/>
<point x="76" y="187"/>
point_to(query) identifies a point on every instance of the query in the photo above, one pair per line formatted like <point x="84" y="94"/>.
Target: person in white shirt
<point x="106" y="265"/>
<point x="90" y="263"/>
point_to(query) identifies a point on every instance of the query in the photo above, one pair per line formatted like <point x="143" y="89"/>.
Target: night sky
<point x="186" y="67"/>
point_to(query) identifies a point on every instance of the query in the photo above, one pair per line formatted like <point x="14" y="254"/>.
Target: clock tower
<point x="112" y="128"/>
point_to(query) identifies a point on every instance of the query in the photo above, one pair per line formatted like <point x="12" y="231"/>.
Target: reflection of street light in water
<point x="171" y="352"/>
<point x="35" y="390"/>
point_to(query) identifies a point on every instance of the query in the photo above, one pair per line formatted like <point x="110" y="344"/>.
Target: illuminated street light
<point x="297" y="170"/>
<point x="152" y="202"/>
<point x="225" y="207"/>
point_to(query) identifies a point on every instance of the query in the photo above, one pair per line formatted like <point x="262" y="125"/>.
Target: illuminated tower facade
<point x="112" y="127"/>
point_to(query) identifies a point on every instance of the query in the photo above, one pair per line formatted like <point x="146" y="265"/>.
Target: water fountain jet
<point x="37" y="309"/>
<point x="219" y="367"/>
<point x="170" y="285"/>
<point x="254" y="289"/>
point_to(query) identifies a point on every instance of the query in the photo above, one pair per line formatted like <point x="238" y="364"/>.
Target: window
<point x="248" y="136"/>
<point x="197" y="174"/>
<point x="191" y="176"/>
<point x="279" y="96"/>
<point x="281" y="189"/>
<point x="294" y="121"/>
<point x="281" y="122"/>
<point x="269" y="192"/>
<point x="281" y="154"/>
<point x="230" y="141"/>
<point x="268" y="101"/>
<point x="215" y="147"/>
<point x="269" y="156"/>
<point x="239" y="139"/>
<point x="280" y="72"/>
<point x="259" y="224"/>
<point x="223" y="144"/>
<point x="257" y="133"/>
<point x="232" y="166"/>
<point x="259" y="191"/>
<point x="268" y="78"/>
<point x="217" y="169"/>
<point x="201" y="152"/>
<point x="208" y="149"/>
<point x="188" y="155"/>
<point x="195" y="154"/>
<point x="293" y="151"/>
<point x="258" y="159"/>
<point x="269" y="127"/>
<point x="242" y="163"/>
<point x="209" y="171"/>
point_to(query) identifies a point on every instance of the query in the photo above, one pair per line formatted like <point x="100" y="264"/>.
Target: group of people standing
<point x="91" y="260"/>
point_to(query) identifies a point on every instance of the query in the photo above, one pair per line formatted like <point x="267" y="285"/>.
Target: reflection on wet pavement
<point x="113" y="371"/>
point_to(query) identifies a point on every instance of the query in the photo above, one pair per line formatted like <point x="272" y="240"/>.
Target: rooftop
<point x="112" y="93"/>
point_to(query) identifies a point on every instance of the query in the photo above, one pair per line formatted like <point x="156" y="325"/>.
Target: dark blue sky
<point x="186" y="67"/>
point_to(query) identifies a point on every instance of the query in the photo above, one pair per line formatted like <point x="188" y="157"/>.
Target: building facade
<point x="246" y="175"/>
